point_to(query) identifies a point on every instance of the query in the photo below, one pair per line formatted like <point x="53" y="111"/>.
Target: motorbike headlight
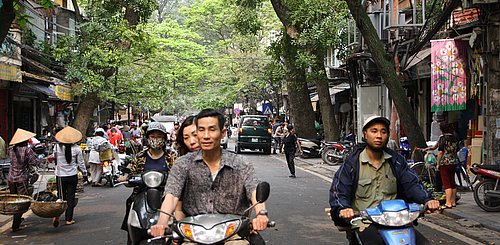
<point x="400" y="218"/>
<point x="215" y="234"/>
<point x="152" y="179"/>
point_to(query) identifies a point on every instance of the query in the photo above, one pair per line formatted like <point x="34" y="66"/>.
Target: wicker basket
<point x="48" y="209"/>
<point x="14" y="204"/>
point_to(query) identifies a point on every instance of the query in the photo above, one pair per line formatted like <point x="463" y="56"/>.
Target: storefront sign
<point x="448" y="78"/>
<point x="10" y="73"/>
<point x="64" y="92"/>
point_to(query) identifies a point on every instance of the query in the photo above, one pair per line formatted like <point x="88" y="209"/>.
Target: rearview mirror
<point x="263" y="190"/>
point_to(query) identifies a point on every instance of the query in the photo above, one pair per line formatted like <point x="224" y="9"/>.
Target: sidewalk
<point x="40" y="184"/>
<point x="466" y="209"/>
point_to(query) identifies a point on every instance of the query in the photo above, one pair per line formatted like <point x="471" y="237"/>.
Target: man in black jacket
<point x="371" y="174"/>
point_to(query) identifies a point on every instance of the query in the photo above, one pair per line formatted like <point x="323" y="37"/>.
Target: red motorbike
<point x="487" y="191"/>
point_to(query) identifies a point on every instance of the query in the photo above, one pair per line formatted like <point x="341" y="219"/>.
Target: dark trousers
<point x="278" y="143"/>
<point x="290" y="155"/>
<point x="67" y="186"/>
<point x="21" y="189"/>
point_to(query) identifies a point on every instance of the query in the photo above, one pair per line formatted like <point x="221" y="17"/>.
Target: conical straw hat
<point x="20" y="136"/>
<point x="68" y="135"/>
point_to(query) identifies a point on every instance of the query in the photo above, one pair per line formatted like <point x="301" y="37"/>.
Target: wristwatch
<point x="262" y="212"/>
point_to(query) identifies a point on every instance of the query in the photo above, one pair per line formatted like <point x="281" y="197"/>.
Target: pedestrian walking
<point x="68" y="158"/>
<point x="290" y="147"/>
<point x="22" y="159"/>
<point x="448" y="146"/>
<point x="278" y="137"/>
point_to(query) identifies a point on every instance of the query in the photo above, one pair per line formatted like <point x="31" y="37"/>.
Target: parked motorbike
<point x="309" y="148"/>
<point x="404" y="147"/>
<point x="334" y="153"/>
<point x="487" y="191"/>
<point x="144" y="210"/>
<point x="393" y="220"/>
<point x="214" y="228"/>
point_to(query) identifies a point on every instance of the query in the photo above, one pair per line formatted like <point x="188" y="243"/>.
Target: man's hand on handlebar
<point x="260" y="222"/>
<point x="432" y="205"/>
<point x="347" y="213"/>
<point x="158" y="230"/>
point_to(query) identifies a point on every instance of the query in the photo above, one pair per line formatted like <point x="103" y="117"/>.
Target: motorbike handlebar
<point x="271" y="224"/>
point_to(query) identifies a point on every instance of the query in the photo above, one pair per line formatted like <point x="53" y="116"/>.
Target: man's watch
<point x="262" y="212"/>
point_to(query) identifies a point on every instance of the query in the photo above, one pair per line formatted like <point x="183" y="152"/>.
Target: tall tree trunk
<point x="386" y="68"/>
<point x="85" y="110"/>
<point x="7" y="15"/>
<point x="330" y="127"/>
<point x="298" y="93"/>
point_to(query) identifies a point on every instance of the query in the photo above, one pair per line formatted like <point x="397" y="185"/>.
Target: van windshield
<point x="255" y="121"/>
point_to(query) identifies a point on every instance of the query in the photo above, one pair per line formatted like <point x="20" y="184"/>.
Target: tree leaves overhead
<point x="197" y="57"/>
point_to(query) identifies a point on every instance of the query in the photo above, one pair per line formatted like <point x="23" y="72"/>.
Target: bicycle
<point x="427" y="174"/>
<point x="461" y="173"/>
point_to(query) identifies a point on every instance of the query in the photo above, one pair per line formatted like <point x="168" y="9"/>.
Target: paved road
<point x="297" y="205"/>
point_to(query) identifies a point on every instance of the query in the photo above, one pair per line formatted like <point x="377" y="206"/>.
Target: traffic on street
<point x="297" y="205"/>
<point x="217" y="122"/>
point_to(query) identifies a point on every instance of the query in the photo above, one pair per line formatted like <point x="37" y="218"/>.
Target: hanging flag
<point x="448" y="78"/>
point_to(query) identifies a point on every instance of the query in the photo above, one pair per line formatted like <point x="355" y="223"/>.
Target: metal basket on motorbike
<point x="14" y="204"/>
<point x="48" y="209"/>
<point x="106" y="155"/>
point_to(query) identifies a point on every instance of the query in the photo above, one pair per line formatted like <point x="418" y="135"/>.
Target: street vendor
<point x="22" y="159"/>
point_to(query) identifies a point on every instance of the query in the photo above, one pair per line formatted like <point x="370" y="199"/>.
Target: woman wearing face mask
<point x="155" y="157"/>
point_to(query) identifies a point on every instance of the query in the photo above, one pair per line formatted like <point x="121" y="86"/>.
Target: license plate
<point x="255" y="140"/>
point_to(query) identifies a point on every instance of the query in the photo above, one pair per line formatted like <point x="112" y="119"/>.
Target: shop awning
<point x="47" y="91"/>
<point x="415" y="59"/>
<point x="333" y="90"/>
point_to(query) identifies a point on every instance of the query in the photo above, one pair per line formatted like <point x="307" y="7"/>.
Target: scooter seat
<point x="490" y="167"/>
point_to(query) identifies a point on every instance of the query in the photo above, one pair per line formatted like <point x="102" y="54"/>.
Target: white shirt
<point x="63" y="168"/>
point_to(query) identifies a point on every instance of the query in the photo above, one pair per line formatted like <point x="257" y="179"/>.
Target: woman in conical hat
<point x="20" y="136"/>
<point x="68" y="158"/>
<point x="22" y="158"/>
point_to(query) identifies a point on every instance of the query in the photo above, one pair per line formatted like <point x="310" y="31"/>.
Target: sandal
<point x="446" y="207"/>
<point x="70" y="222"/>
